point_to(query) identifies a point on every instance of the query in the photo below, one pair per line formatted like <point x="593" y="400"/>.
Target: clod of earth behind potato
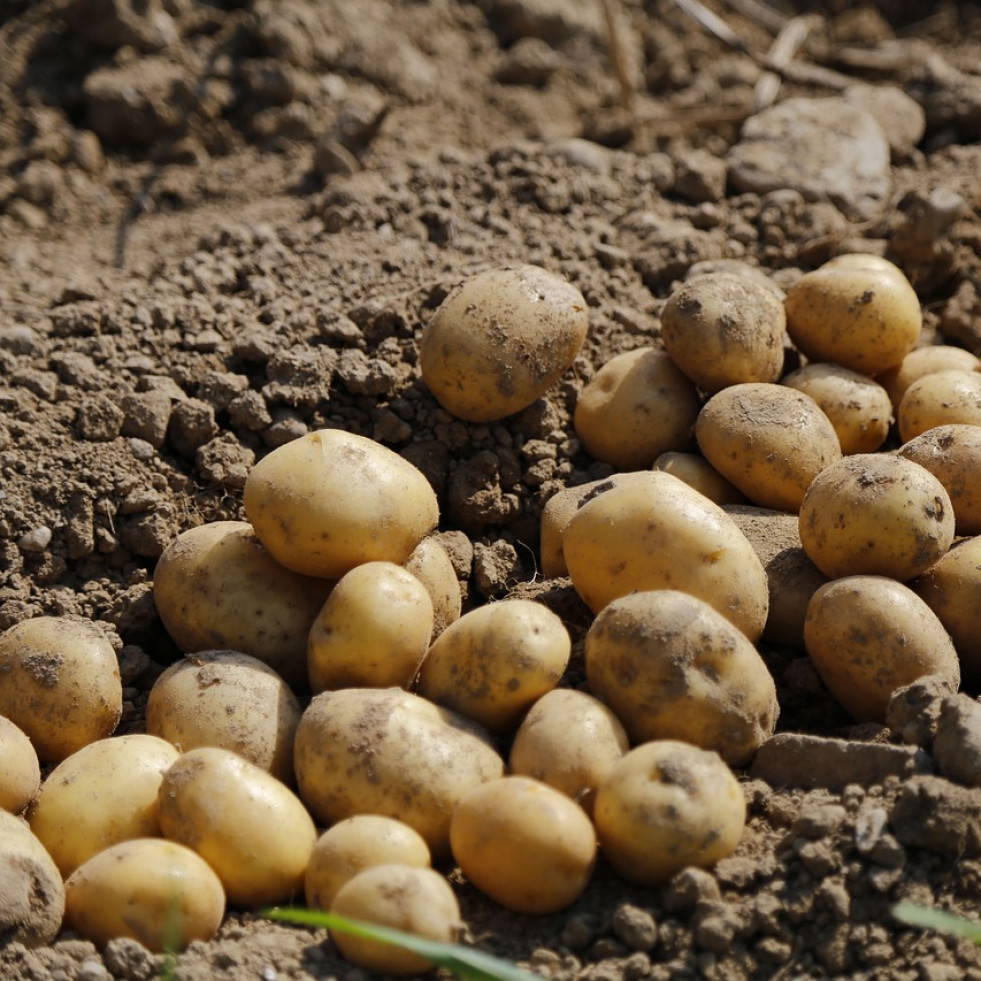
<point x="941" y="398"/>
<point x="20" y="777"/>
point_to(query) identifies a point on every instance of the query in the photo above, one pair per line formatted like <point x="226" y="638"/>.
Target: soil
<point x="223" y="225"/>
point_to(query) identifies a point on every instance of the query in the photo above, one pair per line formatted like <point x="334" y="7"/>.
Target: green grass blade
<point x="938" y="919"/>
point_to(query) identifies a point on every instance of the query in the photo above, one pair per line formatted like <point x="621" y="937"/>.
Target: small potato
<point x="671" y="667"/>
<point x="250" y="828"/>
<point x="638" y="405"/>
<point x="330" y="500"/>
<point x="496" y="661"/>
<point x="356" y="844"/>
<point x="103" y="794"/>
<point x="229" y="700"/>
<point x="156" y="892"/>
<point x="768" y="440"/>
<point x="876" y="514"/>
<point x="32" y="896"/>
<point x="60" y="684"/>
<point x="500" y="340"/>
<point x="20" y="772"/>
<point x="373" y="631"/>
<point x="217" y="587"/>
<point x="431" y="565"/>
<point x="700" y="475"/>
<point x="523" y="843"/>
<point x="665" y="806"/>
<point x="868" y="636"/>
<point x="942" y="398"/>
<point x="925" y="361"/>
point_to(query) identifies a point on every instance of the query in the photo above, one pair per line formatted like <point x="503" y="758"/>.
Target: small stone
<point x="141" y="449"/>
<point x="869" y="827"/>
<point x="92" y="969"/>
<point x="36" y="540"/>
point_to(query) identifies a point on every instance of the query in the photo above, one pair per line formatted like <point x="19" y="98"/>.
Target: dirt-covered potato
<point x="925" y="361"/>
<point x="665" y="806"/>
<point x="496" y="661"/>
<point x="500" y="340"/>
<point x="230" y="700"/>
<point x="941" y="398"/>
<point x="638" y="405"/>
<point x="101" y="795"/>
<point x="216" y="587"/>
<point x="868" y="636"/>
<point x="655" y="532"/>
<point x="59" y="684"/>
<point x="372" y="632"/>
<point x="330" y="500"/>
<point x="700" y="475"/>
<point x="430" y="564"/>
<point x="20" y="772"/>
<point x="387" y="751"/>
<point x="249" y="827"/>
<point x="876" y="514"/>
<point x="523" y="843"/>
<point x="768" y="440"/>
<point x="156" y="892"/>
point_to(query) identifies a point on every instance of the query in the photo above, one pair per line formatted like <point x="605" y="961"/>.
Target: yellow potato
<point x="331" y="500"/>
<point x="925" y="361"/>
<point x="31" y="890"/>
<point x="941" y="398"/>
<point x="500" y="340"/>
<point x="865" y="260"/>
<point x="20" y="774"/>
<point x="868" y="636"/>
<point x="430" y="564"/>
<point x="700" y="475"/>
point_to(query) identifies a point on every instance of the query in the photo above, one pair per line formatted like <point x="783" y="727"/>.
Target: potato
<point x="372" y="632"/>
<point x="331" y="500"/>
<point x="156" y="892"/>
<point x="496" y="661"/>
<point x="672" y="667"/>
<point x="102" y="794"/>
<point x="638" y="405"/>
<point x="723" y="330"/>
<point x="941" y="398"/>
<point x="500" y="340"/>
<point x="356" y="844"/>
<point x="400" y="897"/>
<point x="656" y="532"/>
<point x="20" y="772"/>
<point x="386" y="751"/>
<point x="250" y="828"/>
<point x="431" y="565"/>
<point x="868" y="636"/>
<point x="767" y="440"/>
<point x="876" y="514"/>
<point x="229" y="700"/>
<point x="665" y="806"/>
<point x="523" y="843"/>
<point x="865" y="260"/>
<point x="700" y="475"/>
<point x="925" y="361"/>
<point x="217" y="587"/>
<point x="60" y="684"/>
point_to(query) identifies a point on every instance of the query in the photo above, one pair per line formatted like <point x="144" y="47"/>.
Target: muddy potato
<point x="59" y="684"/>
<point x="925" y="361"/>
<point x="700" y="475"/>
<point x="150" y="890"/>
<point x="868" y="636"/>
<point x="768" y="440"/>
<point x="500" y="340"/>
<point x="230" y="700"/>
<point x="372" y="632"/>
<point x="330" y="500"/>
<point x="431" y="565"/>
<point x="876" y="514"/>
<point x="665" y="806"/>
<point x="216" y="587"/>
<point x="20" y="772"/>
<point x="941" y="398"/>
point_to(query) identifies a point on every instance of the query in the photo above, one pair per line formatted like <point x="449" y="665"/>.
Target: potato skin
<point x="21" y="774"/>
<point x="431" y="565"/>
<point x="700" y="475"/>
<point x="939" y="399"/>
<point x="925" y="361"/>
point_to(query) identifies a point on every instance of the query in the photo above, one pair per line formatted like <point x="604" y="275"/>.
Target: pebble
<point x="35" y="540"/>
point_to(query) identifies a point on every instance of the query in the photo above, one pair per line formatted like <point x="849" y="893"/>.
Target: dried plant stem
<point x="612" y="10"/>
<point x="786" y="45"/>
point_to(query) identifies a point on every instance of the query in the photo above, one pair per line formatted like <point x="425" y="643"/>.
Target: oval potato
<point x="700" y="475"/>
<point x="941" y="398"/>
<point x="20" y="775"/>
<point x="925" y="361"/>
<point x="431" y="565"/>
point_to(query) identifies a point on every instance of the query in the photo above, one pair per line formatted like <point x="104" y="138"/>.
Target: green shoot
<point x="936" y="919"/>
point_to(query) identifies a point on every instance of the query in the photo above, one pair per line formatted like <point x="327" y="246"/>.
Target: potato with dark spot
<point x="942" y="398"/>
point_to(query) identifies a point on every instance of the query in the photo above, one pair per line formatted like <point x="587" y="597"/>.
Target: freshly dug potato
<point x="500" y="340"/>
<point x="672" y="667"/>
<point x="356" y="844"/>
<point x="496" y="661"/>
<point x="386" y="751"/>
<point x="229" y="700"/>
<point x="524" y="843"/>
<point x="925" y="361"/>
<point x="430" y="564"/>
<point x="101" y="795"/>
<point x="638" y="405"/>
<point x="331" y="500"/>
<point x="59" y="684"/>
<point x="700" y="475"/>
<point x="876" y="514"/>
<point x="20" y="774"/>
<point x="372" y="632"/>
<point x="150" y="890"/>
<point x="868" y="636"/>
<point x="216" y="587"/>
<point x="768" y="440"/>
<point x="865" y="260"/>
<point x="250" y="828"/>
<point x="655" y="532"/>
<point x="665" y="806"/>
<point x="941" y="398"/>
<point x="32" y="896"/>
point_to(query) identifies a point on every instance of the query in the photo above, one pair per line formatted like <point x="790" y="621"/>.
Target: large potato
<point x="216" y="587"/>
<point x="925" y="361"/>
<point x="431" y="565"/>
<point x="655" y="532"/>
<point x="868" y="636"/>
<point x="20" y="775"/>
<point x="700" y="475"/>
<point x="59" y="684"/>
<point x="330" y="500"/>
<point x="941" y="398"/>
<point x="500" y="340"/>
